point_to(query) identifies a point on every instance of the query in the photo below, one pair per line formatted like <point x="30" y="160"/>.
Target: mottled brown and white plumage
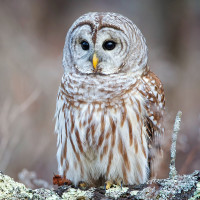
<point x="108" y="117"/>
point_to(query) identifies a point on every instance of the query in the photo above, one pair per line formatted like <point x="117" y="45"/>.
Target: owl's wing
<point x="153" y="116"/>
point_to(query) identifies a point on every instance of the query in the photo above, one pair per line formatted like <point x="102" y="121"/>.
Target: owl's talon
<point x="121" y="184"/>
<point x="105" y="186"/>
<point x="108" y="185"/>
<point x="82" y="185"/>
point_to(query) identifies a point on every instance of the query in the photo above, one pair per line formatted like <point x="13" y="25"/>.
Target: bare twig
<point x="172" y="167"/>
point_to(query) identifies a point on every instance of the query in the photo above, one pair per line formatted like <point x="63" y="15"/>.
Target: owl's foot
<point x="83" y="185"/>
<point x="58" y="180"/>
<point x="120" y="183"/>
<point x="108" y="185"/>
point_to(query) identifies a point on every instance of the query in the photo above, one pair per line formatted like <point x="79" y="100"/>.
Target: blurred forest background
<point x="32" y="35"/>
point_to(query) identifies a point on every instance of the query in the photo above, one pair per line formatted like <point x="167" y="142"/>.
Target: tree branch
<point x="177" y="124"/>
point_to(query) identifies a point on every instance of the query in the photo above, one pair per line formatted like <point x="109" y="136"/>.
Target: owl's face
<point x="103" y="54"/>
<point x="103" y="44"/>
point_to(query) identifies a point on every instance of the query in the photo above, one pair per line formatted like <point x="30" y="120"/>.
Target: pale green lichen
<point x="73" y="194"/>
<point x="46" y="193"/>
<point x="169" y="188"/>
<point x="196" y="193"/>
<point x="9" y="189"/>
<point x="176" y="129"/>
<point x="134" y="192"/>
<point x="116" y="191"/>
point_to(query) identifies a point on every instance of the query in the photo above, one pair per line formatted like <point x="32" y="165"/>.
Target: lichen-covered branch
<point x="177" y="123"/>
<point x="182" y="187"/>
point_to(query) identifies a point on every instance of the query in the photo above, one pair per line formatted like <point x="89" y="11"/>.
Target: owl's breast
<point x="98" y="113"/>
<point x="97" y="132"/>
<point x="95" y="125"/>
<point x="96" y="88"/>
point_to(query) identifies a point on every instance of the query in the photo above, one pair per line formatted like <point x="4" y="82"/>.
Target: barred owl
<point x="109" y="110"/>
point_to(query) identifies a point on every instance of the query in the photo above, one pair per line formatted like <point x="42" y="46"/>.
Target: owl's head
<point x="104" y="43"/>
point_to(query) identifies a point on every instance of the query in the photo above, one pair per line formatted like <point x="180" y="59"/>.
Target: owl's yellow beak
<point x="95" y="60"/>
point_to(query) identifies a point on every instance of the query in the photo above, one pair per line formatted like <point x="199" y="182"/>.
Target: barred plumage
<point x="107" y="121"/>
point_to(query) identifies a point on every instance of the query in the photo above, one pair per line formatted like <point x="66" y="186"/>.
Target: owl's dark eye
<point x="85" y="45"/>
<point x="109" y="45"/>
